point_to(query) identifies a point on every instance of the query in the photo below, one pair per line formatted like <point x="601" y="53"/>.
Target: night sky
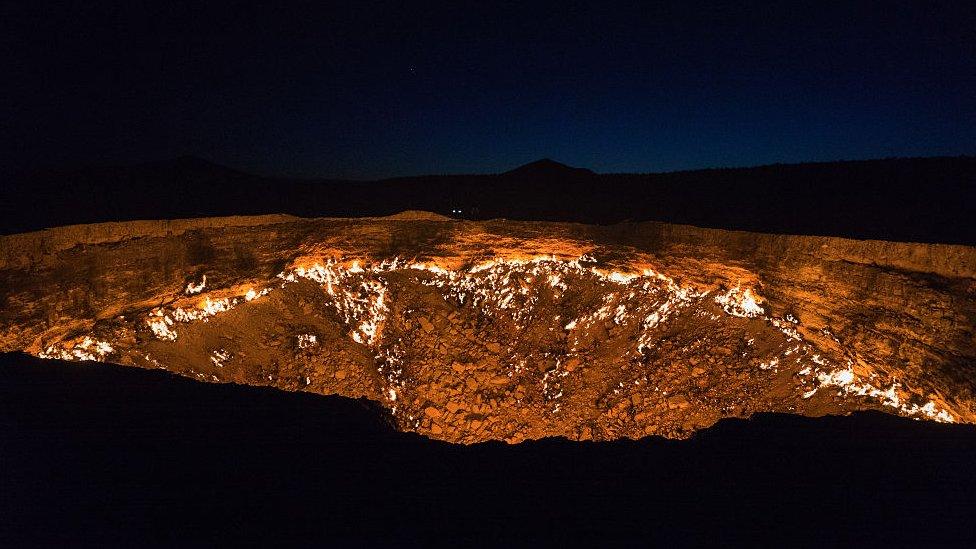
<point x="364" y="90"/>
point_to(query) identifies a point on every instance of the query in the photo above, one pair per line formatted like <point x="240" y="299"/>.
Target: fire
<point x="508" y="285"/>
<point x="849" y="383"/>
<point x="192" y="288"/>
<point x="741" y="302"/>
<point x="87" y="348"/>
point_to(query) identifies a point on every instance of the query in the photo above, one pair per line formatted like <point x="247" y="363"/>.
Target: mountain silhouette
<point x="548" y="168"/>
<point x="898" y="199"/>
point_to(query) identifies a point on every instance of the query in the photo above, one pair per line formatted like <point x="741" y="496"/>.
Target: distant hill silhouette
<point x="910" y="199"/>
<point x="548" y="168"/>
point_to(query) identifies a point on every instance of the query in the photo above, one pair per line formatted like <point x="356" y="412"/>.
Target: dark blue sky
<point x="326" y="89"/>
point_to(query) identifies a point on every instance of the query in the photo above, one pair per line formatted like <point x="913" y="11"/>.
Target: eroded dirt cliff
<point x="472" y="331"/>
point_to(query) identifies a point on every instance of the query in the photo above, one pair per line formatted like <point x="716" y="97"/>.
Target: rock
<point x="678" y="402"/>
<point x="881" y="299"/>
<point x="500" y="380"/>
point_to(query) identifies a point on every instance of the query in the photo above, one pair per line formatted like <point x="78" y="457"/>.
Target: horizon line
<point x="174" y="160"/>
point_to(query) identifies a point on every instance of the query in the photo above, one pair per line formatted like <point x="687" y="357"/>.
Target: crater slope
<point x="503" y="330"/>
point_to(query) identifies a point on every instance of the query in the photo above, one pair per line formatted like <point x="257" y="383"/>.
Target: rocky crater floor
<point x="503" y="330"/>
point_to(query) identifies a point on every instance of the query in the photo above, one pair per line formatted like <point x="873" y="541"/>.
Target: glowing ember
<point x="192" y="288"/>
<point x="85" y="349"/>
<point x="741" y="303"/>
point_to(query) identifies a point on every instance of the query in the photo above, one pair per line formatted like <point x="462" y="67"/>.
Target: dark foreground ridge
<point x="93" y="451"/>
<point x="905" y="200"/>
